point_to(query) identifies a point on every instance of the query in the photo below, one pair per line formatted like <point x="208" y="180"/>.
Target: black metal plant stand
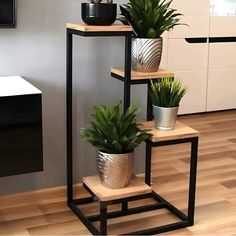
<point x="184" y="220"/>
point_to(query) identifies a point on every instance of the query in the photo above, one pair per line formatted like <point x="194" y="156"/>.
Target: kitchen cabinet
<point x="222" y="63"/>
<point x="203" y="55"/>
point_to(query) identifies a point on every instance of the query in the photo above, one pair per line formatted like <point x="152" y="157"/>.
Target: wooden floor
<point x="44" y="212"/>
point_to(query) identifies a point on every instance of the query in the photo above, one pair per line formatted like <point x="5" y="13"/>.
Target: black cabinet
<point x="21" y="147"/>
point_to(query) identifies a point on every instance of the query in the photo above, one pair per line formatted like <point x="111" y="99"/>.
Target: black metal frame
<point x="69" y="87"/>
<point x="185" y="220"/>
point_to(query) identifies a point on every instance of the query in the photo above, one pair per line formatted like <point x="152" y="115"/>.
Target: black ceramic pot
<point x="98" y="13"/>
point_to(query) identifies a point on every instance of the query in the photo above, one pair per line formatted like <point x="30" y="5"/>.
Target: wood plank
<point x="135" y="75"/>
<point x="230" y="183"/>
<point x="46" y="196"/>
<point x="19" y="213"/>
<point x="98" y="28"/>
<point x="59" y="228"/>
<point x="181" y="131"/>
<point x="20" y="226"/>
<point x="136" y="186"/>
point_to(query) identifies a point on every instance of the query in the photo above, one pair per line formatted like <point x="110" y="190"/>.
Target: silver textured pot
<point x="165" y="117"/>
<point x="146" y="54"/>
<point x="115" y="170"/>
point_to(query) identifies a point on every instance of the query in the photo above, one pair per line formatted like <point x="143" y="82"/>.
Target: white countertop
<point x="16" y="85"/>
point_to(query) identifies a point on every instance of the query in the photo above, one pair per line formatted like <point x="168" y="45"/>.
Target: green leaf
<point x="167" y="93"/>
<point x="151" y="33"/>
<point x="112" y="131"/>
<point x="149" y="18"/>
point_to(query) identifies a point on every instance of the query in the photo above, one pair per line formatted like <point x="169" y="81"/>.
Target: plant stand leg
<point x="103" y="218"/>
<point x="127" y="72"/>
<point x="192" y="180"/>
<point x="149" y="104"/>
<point x="69" y="55"/>
<point x="148" y="163"/>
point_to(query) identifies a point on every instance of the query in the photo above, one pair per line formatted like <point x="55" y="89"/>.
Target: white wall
<point x="36" y="51"/>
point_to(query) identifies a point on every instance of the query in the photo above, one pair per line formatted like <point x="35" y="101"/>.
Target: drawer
<point x="195" y="99"/>
<point x="192" y="7"/>
<point x="221" y="93"/>
<point x="222" y="55"/>
<point x="198" y="26"/>
<point x="222" y="26"/>
<point x="184" y="56"/>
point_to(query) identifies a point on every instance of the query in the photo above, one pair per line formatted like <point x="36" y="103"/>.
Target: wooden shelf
<point x="137" y="186"/>
<point x="181" y="131"/>
<point x="135" y="75"/>
<point x="98" y="28"/>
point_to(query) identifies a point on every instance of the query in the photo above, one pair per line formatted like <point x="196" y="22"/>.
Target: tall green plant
<point x="149" y="18"/>
<point x="167" y="93"/>
<point x="113" y="131"/>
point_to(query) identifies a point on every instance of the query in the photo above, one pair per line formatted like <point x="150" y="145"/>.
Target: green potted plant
<point x="166" y="96"/>
<point x="149" y="19"/>
<point x="115" y="136"/>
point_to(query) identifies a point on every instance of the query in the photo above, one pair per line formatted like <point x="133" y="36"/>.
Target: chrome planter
<point x="146" y="54"/>
<point x="115" y="170"/>
<point x="164" y="117"/>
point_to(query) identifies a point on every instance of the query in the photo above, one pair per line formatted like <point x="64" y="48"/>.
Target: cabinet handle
<point x="222" y="39"/>
<point x="196" y="40"/>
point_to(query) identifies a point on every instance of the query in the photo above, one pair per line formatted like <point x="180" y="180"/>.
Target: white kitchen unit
<point x="188" y="53"/>
<point x="222" y="63"/>
<point x="203" y="54"/>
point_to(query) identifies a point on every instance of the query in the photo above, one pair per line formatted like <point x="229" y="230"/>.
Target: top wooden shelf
<point x="99" y="28"/>
<point x="135" y="75"/>
<point x="137" y="186"/>
<point x="181" y="131"/>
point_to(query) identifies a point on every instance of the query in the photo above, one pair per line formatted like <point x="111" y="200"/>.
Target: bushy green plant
<point x="167" y="92"/>
<point x="149" y="18"/>
<point x="113" y="131"/>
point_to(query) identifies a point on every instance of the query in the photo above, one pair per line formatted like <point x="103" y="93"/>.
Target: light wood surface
<point x="135" y="75"/>
<point x="97" y="28"/>
<point x="181" y="131"/>
<point x="136" y="186"/>
<point x="44" y="212"/>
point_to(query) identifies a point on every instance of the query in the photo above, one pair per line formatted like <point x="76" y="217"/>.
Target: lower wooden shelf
<point x="181" y="131"/>
<point x="136" y="187"/>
